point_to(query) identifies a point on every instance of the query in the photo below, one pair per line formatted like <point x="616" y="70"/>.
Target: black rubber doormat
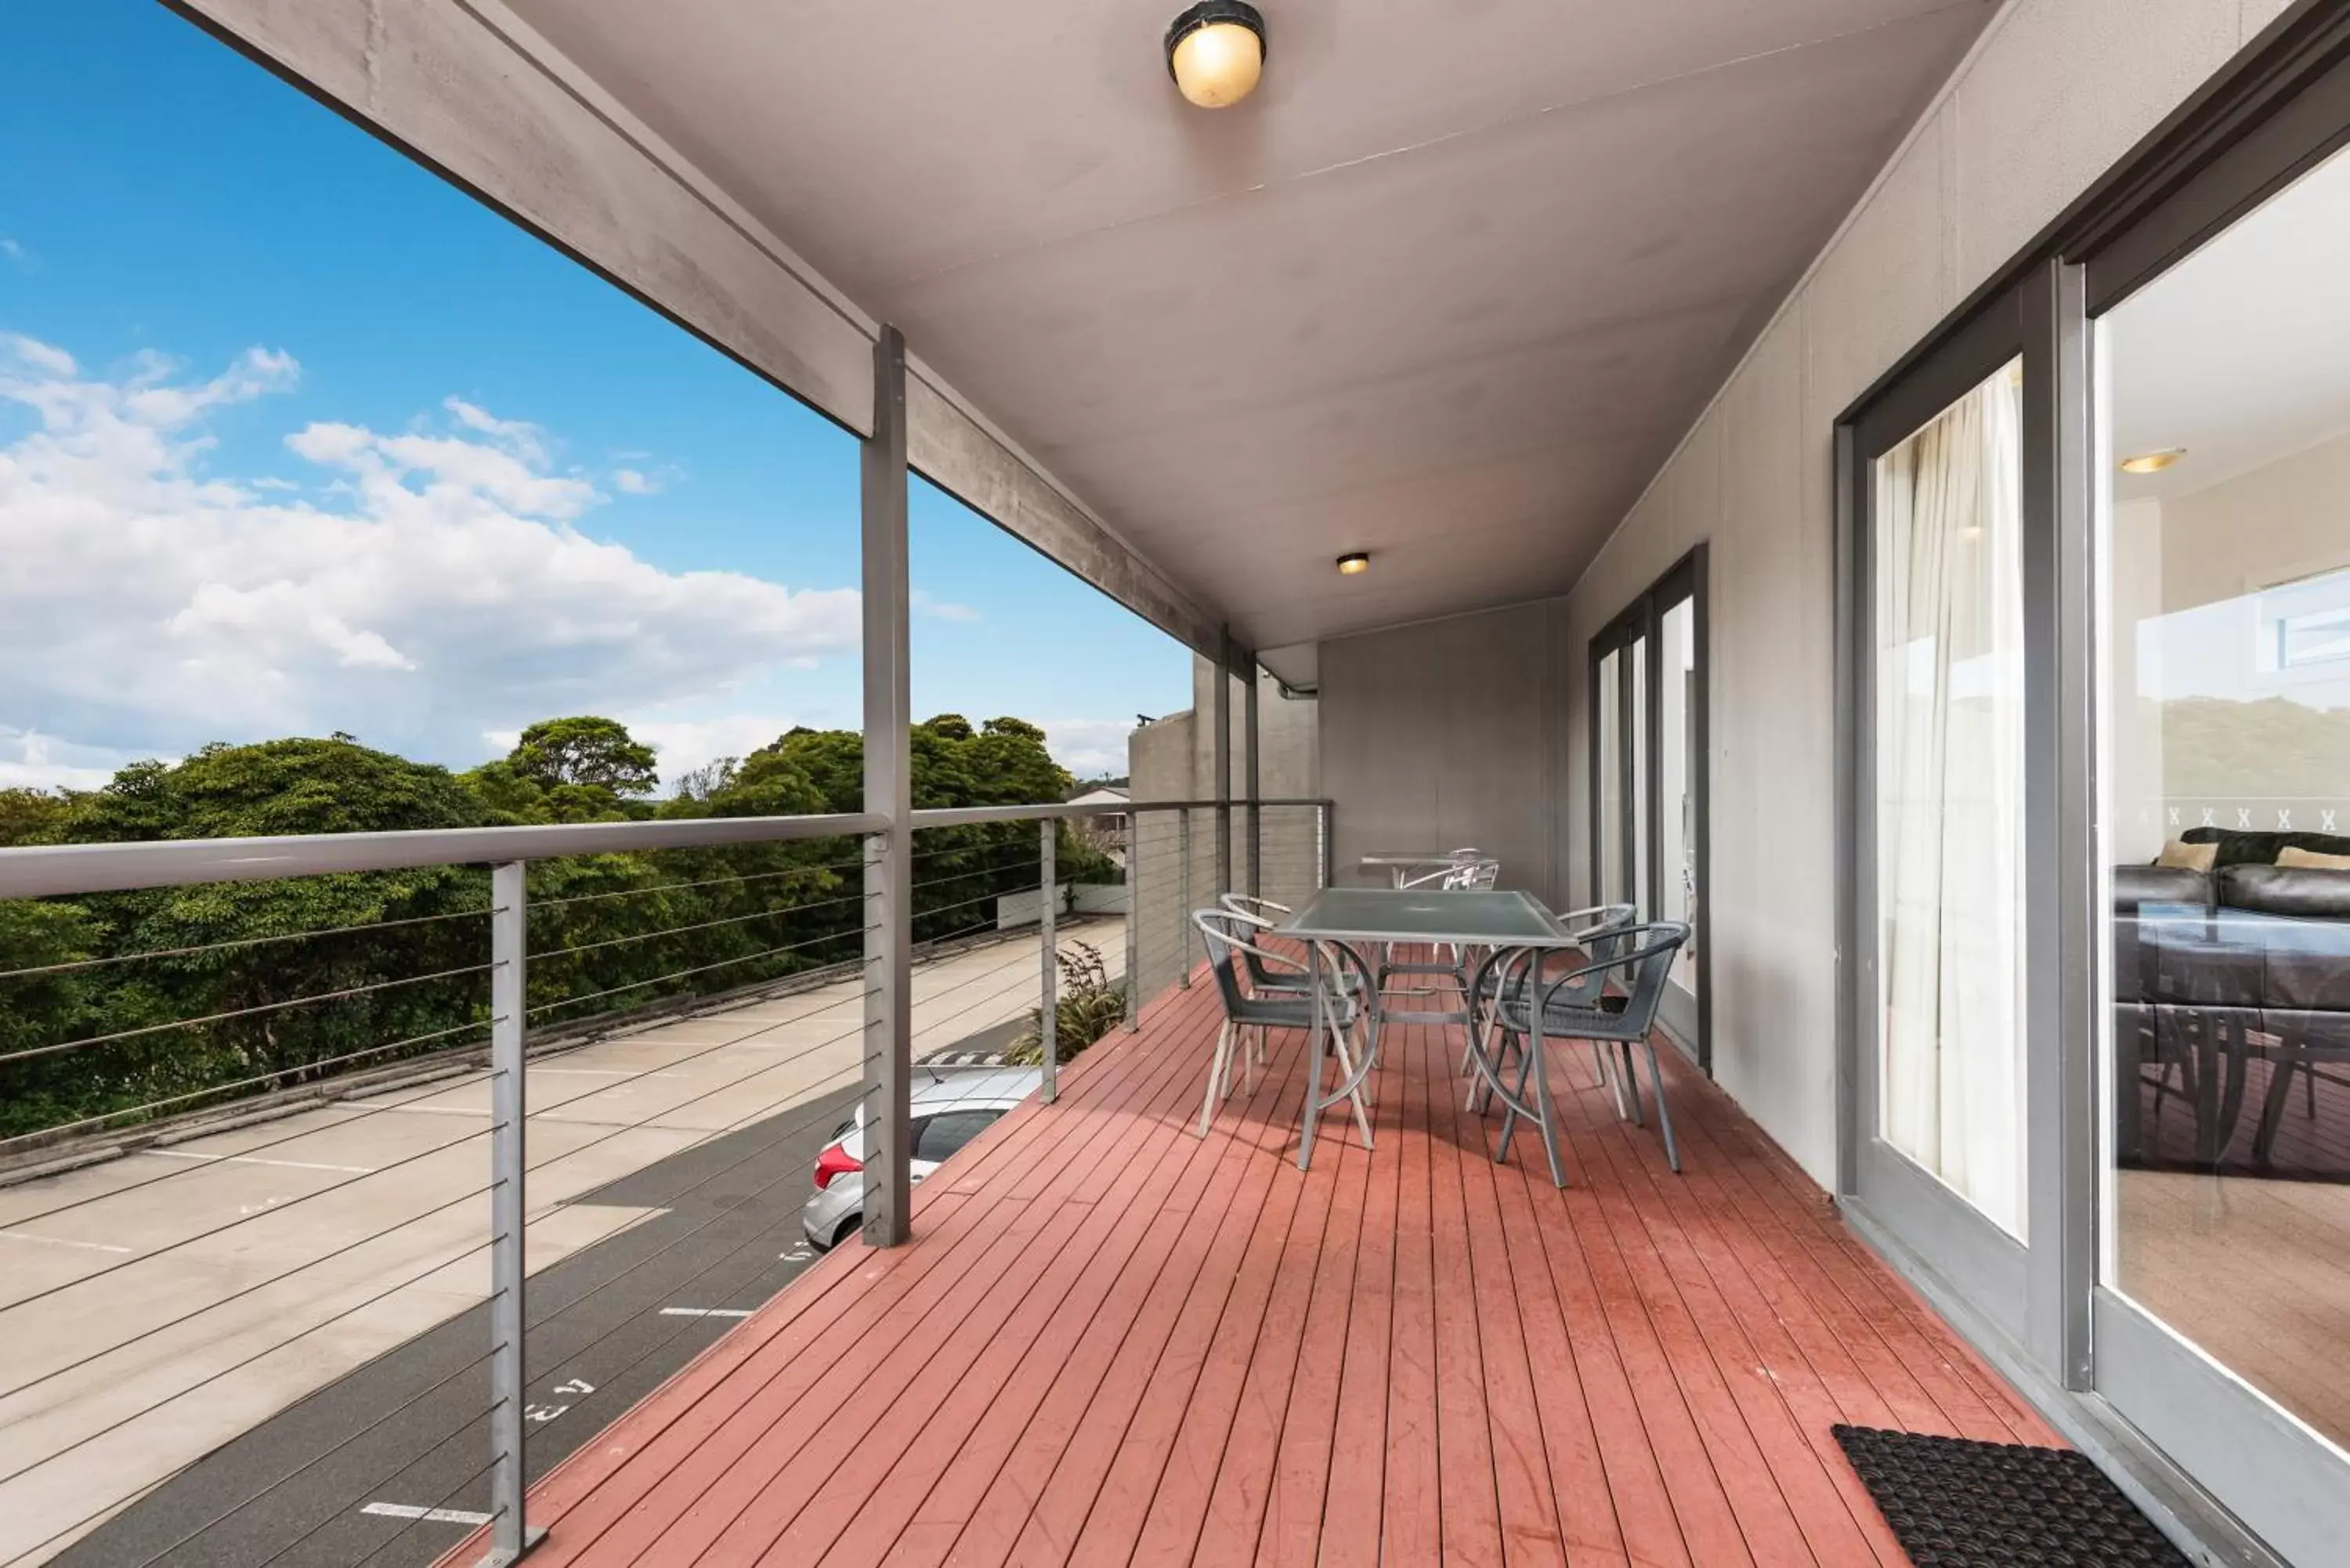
<point x="1953" y="1504"/>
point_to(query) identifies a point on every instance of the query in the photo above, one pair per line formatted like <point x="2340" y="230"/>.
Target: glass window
<point x="1611" y="778"/>
<point x="940" y="1136"/>
<point x="1677" y="780"/>
<point x="1948" y="759"/>
<point x="1636" y="736"/>
<point x="2226" y="399"/>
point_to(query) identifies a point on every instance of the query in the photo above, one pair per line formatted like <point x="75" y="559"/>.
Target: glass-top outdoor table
<point x="1357" y="916"/>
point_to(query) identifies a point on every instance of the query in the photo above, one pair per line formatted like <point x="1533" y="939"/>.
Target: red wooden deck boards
<point x="1112" y="1342"/>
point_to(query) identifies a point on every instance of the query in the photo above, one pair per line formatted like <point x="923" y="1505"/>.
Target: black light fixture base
<point x="1207" y="13"/>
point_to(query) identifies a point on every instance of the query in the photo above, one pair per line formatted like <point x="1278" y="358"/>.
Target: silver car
<point x="947" y="1111"/>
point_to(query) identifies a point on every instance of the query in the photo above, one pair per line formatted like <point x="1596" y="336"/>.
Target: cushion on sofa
<point x="2238" y="848"/>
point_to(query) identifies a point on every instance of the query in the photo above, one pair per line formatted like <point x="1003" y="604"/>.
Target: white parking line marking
<point x="62" y="1242"/>
<point x="436" y="1515"/>
<point x="256" y="1159"/>
<point x="705" y="1311"/>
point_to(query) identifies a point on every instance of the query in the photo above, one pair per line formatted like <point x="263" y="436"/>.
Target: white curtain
<point x="1949" y="807"/>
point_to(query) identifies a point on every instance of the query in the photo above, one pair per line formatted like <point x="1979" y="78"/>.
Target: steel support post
<point x="888" y="903"/>
<point x="1133" y="922"/>
<point x="510" y="1531"/>
<point x="1183" y="906"/>
<point x="1252" y="775"/>
<point x="1049" y="1087"/>
<point x="1224" y="722"/>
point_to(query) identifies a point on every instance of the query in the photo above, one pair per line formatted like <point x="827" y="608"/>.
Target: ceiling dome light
<point x="1216" y="52"/>
<point x="1354" y="563"/>
<point x="2153" y="462"/>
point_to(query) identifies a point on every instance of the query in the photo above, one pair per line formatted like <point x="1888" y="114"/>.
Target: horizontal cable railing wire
<point x="990" y="858"/>
<point x="405" y="1220"/>
<point x="682" y="1327"/>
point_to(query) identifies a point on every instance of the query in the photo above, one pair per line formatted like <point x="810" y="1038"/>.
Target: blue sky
<point x="294" y="437"/>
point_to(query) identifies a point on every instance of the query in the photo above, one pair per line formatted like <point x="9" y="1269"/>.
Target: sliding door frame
<point x="2281" y="106"/>
<point x="2005" y="1276"/>
<point x="1644" y="617"/>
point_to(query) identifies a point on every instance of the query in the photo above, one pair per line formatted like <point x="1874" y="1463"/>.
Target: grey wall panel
<point x="1446" y="734"/>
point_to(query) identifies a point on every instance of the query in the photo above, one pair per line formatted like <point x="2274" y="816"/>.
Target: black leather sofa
<point x="2232" y="988"/>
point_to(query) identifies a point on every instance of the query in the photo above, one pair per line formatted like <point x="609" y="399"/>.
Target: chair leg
<point x="1217" y="1068"/>
<point x="1664" y="1112"/>
<point x="1631" y="1080"/>
<point x="1548" y="1116"/>
<point x="1527" y="1051"/>
<point x="1534" y="1066"/>
<point x="1345" y="1071"/>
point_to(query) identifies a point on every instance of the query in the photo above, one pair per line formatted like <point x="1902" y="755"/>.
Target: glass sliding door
<point x="1636" y="779"/>
<point x="1610" y="880"/>
<point x="1648" y="760"/>
<point x="1949" y="797"/>
<point x="1677" y="750"/>
<point x="2223" y="1321"/>
<point x="1936" y="886"/>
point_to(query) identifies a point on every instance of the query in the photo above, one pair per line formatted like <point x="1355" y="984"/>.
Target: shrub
<point x="1088" y="1006"/>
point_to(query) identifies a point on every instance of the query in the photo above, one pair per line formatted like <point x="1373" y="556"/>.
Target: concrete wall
<point x="1447" y="733"/>
<point x="1175" y="759"/>
<point x="2056" y="91"/>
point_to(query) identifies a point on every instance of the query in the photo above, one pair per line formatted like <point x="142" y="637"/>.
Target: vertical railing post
<point x="1183" y="905"/>
<point x="1133" y="920"/>
<point x="888" y="794"/>
<point x="1321" y="845"/>
<point x="1048" y="1024"/>
<point x="510" y="1533"/>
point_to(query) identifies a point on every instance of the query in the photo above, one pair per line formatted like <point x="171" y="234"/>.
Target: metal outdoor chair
<point x="1226" y="934"/>
<point x="1476" y="876"/>
<point x="1290" y="978"/>
<point x="1579" y="1005"/>
<point x="1593" y="927"/>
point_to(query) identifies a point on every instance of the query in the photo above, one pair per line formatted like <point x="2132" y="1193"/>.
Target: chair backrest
<point x="1643" y="955"/>
<point x="1262" y="977"/>
<point x="1219" y="928"/>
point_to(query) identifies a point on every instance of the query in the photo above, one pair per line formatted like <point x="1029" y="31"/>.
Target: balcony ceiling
<point x="1447" y="288"/>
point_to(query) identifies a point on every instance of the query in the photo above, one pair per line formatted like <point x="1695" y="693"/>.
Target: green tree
<point x="585" y="750"/>
<point x="313" y="976"/>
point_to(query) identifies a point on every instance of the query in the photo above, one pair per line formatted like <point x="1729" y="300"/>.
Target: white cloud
<point x="924" y="603"/>
<point x="635" y="482"/>
<point x="522" y="438"/>
<point x="149" y="398"/>
<point x="442" y="590"/>
<point x="684" y="744"/>
<point x="15" y="251"/>
<point x="39" y="356"/>
<point x="30" y="759"/>
<point x="1089" y="748"/>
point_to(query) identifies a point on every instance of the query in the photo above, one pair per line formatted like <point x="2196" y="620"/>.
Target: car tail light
<point x="834" y="1161"/>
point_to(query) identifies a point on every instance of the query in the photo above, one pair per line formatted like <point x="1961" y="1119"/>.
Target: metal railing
<point x="969" y="869"/>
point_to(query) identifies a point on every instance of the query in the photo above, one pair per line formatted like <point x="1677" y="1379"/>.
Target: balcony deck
<point x="1112" y="1342"/>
